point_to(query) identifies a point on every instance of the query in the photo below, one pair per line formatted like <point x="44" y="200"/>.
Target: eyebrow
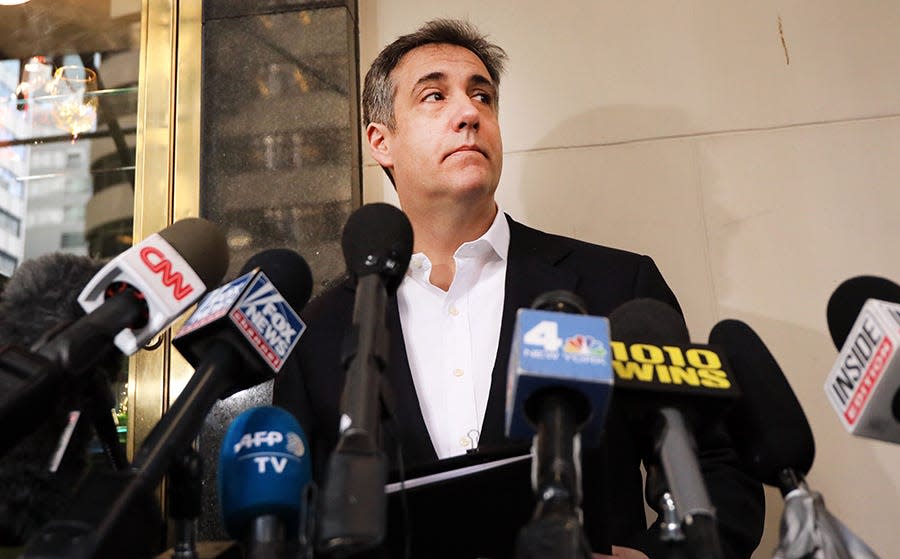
<point x="475" y="79"/>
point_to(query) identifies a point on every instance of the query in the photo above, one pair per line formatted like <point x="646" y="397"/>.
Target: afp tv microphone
<point x="864" y="383"/>
<point x="263" y="478"/>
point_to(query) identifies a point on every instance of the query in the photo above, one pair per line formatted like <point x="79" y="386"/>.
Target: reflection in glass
<point x="73" y="94"/>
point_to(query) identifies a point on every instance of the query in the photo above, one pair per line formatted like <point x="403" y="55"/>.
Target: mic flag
<point x="252" y="307"/>
<point x="864" y="381"/>
<point x="264" y="468"/>
<point x="171" y="270"/>
<point x="555" y="349"/>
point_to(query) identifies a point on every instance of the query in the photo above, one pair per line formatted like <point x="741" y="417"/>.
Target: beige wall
<point x="758" y="172"/>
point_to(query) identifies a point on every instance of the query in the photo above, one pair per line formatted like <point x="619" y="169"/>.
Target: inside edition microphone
<point x="239" y="336"/>
<point x="263" y="478"/>
<point x="679" y="387"/>
<point x="377" y="243"/>
<point x="559" y="383"/>
<point x="131" y="299"/>
<point x="864" y="383"/>
<point x="773" y="437"/>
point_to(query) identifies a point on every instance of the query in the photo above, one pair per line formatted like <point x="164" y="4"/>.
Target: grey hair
<point x="379" y="89"/>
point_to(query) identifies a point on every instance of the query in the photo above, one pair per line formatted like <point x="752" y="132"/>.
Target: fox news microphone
<point x="263" y="477"/>
<point x="132" y="298"/>
<point x="864" y="383"/>
<point x="773" y="437"/>
<point x="238" y="337"/>
<point x="559" y="384"/>
<point x="679" y="385"/>
<point x="377" y="243"/>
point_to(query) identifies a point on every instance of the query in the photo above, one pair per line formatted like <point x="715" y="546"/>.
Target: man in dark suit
<point x="430" y="104"/>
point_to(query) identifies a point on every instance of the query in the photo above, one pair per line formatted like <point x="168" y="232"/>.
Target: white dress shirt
<point x="451" y="337"/>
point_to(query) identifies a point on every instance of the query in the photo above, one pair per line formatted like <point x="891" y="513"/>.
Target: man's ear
<point x="378" y="136"/>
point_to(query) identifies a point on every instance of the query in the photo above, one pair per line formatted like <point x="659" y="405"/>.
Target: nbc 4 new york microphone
<point x="559" y="385"/>
<point x="264" y="481"/>
<point x="864" y="383"/>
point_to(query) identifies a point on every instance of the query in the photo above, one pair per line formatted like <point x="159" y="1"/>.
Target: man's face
<point x="446" y="139"/>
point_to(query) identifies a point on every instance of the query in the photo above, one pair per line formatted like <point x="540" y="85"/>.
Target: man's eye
<point x="433" y="96"/>
<point x="485" y="98"/>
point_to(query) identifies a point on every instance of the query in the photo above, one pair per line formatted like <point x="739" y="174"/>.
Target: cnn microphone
<point x="864" y="383"/>
<point x="773" y="437"/>
<point x="237" y="338"/>
<point x="661" y="376"/>
<point x="559" y="384"/>
<point x="263" y="478"/>
<point x="132" y="298"/>
<point x="377" y="243"/>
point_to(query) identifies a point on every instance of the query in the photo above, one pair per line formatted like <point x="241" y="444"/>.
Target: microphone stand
<point x="555" y="531"/>
<point x="354" y="503"/>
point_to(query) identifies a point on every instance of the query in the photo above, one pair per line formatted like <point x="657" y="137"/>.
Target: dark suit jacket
<point x="477" y="520"/>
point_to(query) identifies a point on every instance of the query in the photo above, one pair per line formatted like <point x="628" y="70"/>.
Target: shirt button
<point x="458" y="372"/>
<point x="453" y="311"/>
<point x="464" y="441"/>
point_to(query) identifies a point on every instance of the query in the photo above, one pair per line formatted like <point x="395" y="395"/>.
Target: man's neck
<point x="438" y="234"/>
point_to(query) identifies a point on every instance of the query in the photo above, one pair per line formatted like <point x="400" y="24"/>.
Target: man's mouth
<point x="466" y="149"/>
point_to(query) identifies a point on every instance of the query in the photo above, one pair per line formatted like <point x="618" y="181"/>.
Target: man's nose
<point x="467" y="115"/>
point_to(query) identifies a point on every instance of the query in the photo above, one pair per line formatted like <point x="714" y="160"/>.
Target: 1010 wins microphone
<point x="864" y="383"/>
<point x="241" y="343"/>
<point x="559" y="382"/>
<point x="264" y="471"/>
<point x="660" y="375"/>
<point x="377" y="242"/>
<point x="132" y="298"/>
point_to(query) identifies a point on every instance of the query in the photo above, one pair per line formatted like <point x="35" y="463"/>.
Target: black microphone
<point x="771" y="433"/>
<point x="131" y="299"/>
<point x="41" y="296"/>
<point x="847" y="301"/>
<point x="662" y="376"/>
<point x="767" y="424"/>
<point x="377" y="242"/>
<point x="239" y="336"/>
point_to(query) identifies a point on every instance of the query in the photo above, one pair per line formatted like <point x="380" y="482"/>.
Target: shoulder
<point x="609" y="275"/>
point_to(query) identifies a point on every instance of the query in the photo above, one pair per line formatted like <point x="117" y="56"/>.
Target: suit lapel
<point x="409" y="424"/>
<point x="531" y="270"/>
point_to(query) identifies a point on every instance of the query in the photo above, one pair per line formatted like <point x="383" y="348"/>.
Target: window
<point x="71" y="240"/>
<point x="10" y="223"/>
<point x="8" y="263"/>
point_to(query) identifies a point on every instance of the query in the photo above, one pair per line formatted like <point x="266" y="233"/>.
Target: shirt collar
<point x="496" y="238"/>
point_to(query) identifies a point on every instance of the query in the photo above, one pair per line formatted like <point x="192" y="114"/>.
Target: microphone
<point x="559" y="383"/>
<point x="767" y="424"/>
<point x="864" y="383"/>
<point x="772" y="435"/>
<point x="847" y="301"/>
<point x="129" y="300"/>
<point x="41" y="296"/>
<point x="263" y="478"/>
<point x="662" y="376"/>
<point x="244" y="334"/>
<point x="377" y="243"/>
